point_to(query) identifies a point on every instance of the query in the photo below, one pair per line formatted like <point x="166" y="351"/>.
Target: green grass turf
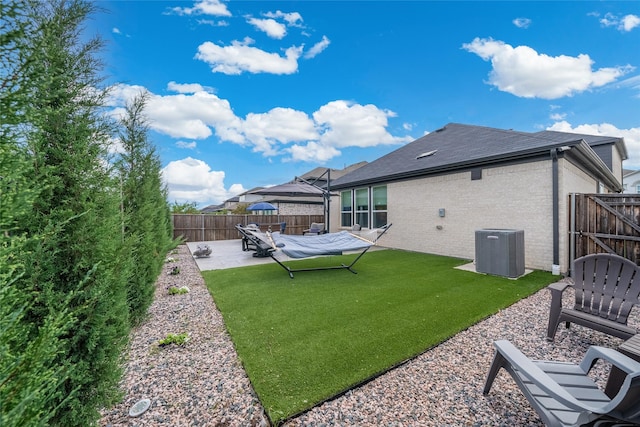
<point x="306" y="339"/>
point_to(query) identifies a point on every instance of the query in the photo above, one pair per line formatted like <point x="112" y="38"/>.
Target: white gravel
<point x="199" y="384"/>
<point x="203" y="384"/>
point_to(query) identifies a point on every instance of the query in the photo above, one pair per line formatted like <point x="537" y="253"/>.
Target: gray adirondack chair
<point x="563" y="394"/>
<point x="607" y="287"/>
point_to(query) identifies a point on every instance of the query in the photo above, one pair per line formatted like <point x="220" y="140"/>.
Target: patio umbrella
<point x="293" y="189"/>
<point x="301" y="188"/>
<point x="262" y="206"/>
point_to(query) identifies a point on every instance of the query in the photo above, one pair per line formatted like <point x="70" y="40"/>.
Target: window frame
<point x="370" y="217"/>
<point x="361" y="215"/>
<point x="348" y="211"/>
<point x="374" y="220"/>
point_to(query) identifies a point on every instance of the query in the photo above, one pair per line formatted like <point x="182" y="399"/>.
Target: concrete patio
<point x="229" y="254"/>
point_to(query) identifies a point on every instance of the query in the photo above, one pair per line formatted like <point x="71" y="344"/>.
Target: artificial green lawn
<point x="306" y="339"/>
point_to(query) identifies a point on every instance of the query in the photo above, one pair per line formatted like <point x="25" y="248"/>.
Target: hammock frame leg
<point x="333" y="267"/>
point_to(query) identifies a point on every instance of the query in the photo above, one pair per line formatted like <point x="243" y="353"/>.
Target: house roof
<point x="458" y="146"/>
<point x="320" y="173"/>
<point x="212" y="208"/>
<point x="592" y="140"/>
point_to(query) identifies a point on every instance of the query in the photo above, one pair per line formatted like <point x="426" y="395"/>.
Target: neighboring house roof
<point x="293" y="200"/>
<point x="212" y="208"/>
<point x="254" y="189"/>
<point x="463" y="147"/>
<point x="630" y="180"/>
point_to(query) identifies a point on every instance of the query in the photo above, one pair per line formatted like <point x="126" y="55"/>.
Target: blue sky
<point x="254" y="93"/>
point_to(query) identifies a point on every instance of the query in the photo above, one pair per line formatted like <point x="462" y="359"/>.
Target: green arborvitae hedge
<point x="144" y="205"/>
<point x="74" y="229"/>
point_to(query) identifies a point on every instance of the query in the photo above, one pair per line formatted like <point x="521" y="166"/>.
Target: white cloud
<point x="213" y="23"/>
<point x="196" y="114"/>
<point x="277" y="127"/>
<point x="348" y="124"/>
<point x="632" y="82"/>
<point x="203" y="7"/>
<point x="526" y="73"/>
<point x="182" y="115"/>
<point x="185" y="144"/>
<point x="187" y="87"/>
<point x="115" y="146"/>
<point x="558" y="116"/>
<point x="630" y="22"/>
<point x="269" y="26"/>
<point x="293" y="19"/>
<point x="631" y="137"/>
<point x="318" y="48"/>
<point x="120" y="92"/>
<point x="522" y="22"/>
<point x="192" y="180"/>
<point x="240" y="57"/>
<point x="626" y="23"/>
<point x="312" y="152"/>
<point x="116" y="30"/>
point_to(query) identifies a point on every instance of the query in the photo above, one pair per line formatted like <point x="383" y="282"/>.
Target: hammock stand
<point x="268" y="243"/>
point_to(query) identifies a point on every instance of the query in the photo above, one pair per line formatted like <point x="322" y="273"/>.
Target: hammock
<point x="309" y="246"/>
<point x="321" y="244"/>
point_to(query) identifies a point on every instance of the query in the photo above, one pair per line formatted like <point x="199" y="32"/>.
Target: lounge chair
<point x="315" y="229"/>
<point x="250" y="241"/>
<point x="606" y="287"/>
<point x="564" y="395"/>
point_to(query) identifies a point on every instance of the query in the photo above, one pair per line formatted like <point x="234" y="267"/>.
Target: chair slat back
<point x="606" y="285"/>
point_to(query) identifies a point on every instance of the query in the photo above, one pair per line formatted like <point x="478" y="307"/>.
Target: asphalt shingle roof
<point x="460" y="146"/>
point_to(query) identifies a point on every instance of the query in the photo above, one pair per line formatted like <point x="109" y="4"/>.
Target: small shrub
<point x="178" y="291"/>
<point x="175" y="271"/>
<point x="177" y="339"/>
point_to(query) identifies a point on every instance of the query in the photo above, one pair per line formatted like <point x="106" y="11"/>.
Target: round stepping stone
<point x="139" y="408"/>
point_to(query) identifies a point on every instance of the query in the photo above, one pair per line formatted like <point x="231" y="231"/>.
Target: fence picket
<point x="206" y="227"/>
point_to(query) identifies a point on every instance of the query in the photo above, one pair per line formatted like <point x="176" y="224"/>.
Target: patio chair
<point x="606" y="288"/>
<point x="563" y="394"/>
<point x="315" y="229"/>
<point x="251" y="241"/>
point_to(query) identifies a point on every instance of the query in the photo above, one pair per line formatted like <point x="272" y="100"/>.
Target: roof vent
<point x="427" y="154"/>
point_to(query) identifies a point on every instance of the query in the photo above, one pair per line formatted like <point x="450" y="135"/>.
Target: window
<point x="379" y="199"/>
<point x="362" y="207"/>
<point x="637" y="188"/>
<point x="345" y="209"/>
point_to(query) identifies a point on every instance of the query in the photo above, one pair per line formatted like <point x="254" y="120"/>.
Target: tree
<point x="241" y="209"/>
<point x="29" y="375"/>
<point x="81" y="262"/>
<point x="184" y="208"/>
<point x="144" y="205"/>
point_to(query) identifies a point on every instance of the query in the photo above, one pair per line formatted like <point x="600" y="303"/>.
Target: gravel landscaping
<point x="202" y="383"/>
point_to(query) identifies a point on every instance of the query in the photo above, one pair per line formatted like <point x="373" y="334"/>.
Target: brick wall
<point x="508" y="197"/>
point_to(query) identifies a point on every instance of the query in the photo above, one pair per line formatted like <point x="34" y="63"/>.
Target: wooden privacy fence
<point x="205" y="227"/>
<point x="605" y="223"/>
